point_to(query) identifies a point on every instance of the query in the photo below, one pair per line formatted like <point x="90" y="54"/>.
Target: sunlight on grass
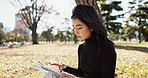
<point x="18" y="62"/>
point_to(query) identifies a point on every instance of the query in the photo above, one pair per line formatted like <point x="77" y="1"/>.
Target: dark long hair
<point x="89" y="16"/>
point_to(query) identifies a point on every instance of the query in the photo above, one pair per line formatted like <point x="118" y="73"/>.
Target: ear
<point x="91" y="29"/>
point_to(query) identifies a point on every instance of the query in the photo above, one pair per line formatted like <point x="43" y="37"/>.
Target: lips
<point x="79" y="36"/>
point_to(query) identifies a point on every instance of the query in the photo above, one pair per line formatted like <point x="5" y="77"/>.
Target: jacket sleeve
<point x="75" y="71"/>
<point x="108" y="62"/>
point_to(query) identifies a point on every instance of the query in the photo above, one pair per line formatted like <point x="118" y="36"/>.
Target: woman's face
<point x="81" y="30"/>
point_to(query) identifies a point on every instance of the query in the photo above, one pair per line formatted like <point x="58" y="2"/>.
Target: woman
<point x="96" y="56"/>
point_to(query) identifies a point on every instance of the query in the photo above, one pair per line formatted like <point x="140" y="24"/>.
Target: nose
<point x="76" y="32"/>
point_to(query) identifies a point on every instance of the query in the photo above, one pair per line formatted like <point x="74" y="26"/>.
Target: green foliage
<point x="48" y="35"/>
<point x="1" y="33"/>
<point x="145" y="33"/>
<point x="107" y="9"/>
<point x="113" y="36"/>
<point x="1" y="25"/>
<point x="19" y="37"/>
<point x="128" y="33"/>
<point x="65" y="35"/>
<point x="69" y="34"/>
<point x="9" y="37"/>
<point x="140" y="18"/>
<point x="60" y="36"/>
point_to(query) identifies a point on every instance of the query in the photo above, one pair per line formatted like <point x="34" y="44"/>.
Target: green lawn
<point x="132" y="61"/>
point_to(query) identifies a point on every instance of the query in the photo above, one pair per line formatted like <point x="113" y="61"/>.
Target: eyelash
<point x="78" y="28"/>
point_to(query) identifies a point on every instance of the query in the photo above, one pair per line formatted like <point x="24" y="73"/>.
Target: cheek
<point x="81" y="32"/>
<point x="86" y="32"/>
<point x="89" y="33"/>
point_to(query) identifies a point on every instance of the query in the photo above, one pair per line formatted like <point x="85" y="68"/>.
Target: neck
<point x="90" y="41"/>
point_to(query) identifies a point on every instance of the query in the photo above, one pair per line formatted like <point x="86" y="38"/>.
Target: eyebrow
<point x="77" y="25"/>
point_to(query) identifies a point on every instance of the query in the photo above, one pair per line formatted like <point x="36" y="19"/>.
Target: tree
<point x="48" y="34"/>
<point x="68" y="34"/>
<point x="129" y="32"/>
<point x="9" y="37"/>
<point x="19" y="37"/>
<point x="60" y="35"/>
<point x="31" y="12"/>
<point x="67" y="31"/>
<point x="93" y="3"/>
<point x="114" y="36"/>
<point x="140" y="18"/>
<point x="106" y="10"/>
<point x="1" y="32"/>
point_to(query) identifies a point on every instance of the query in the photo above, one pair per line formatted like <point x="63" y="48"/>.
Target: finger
<point x="65" y="74"/>
<point x="55" y="64"/>
<point x="49" y="63"/>
<point x="58" y="76"/>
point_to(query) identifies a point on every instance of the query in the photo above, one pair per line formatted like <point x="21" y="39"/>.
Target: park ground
<point x="132" y="59"/>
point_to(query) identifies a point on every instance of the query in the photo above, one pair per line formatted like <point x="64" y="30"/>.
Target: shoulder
<point x="108" y="48"/>
<point x="108" y="45"/>
<point x="108" y="54"/>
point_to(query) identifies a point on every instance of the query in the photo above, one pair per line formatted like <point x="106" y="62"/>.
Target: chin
<point x="81" y="39"/>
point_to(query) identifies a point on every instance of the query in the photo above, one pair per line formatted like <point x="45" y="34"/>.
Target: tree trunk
<point x="0" y="42"/>
<point x="52" y="39"/>
<point x="92" y="3"/>
<point x="139" y="35"/>
<point x="34" y="34"/>
<point x="49" y="39"/>
<point x="145" y="34"/>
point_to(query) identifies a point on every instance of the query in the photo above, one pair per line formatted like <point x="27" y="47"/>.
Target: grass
<point x="132" y="61"/>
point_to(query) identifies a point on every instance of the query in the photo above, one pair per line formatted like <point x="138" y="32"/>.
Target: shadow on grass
<point x="7" y="54"/>
<point x="46" y="56"/>
<point x="141" y="49"/>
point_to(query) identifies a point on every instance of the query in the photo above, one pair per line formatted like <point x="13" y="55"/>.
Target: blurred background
<point x="47" y="25"/>
<point x="49" y="20"/>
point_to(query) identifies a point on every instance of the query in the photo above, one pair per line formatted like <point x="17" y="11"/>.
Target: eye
<point x="80" y="28"/>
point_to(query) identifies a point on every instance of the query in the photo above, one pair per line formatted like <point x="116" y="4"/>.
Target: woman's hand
<point x="65" y="74"/>
<point x="60" y="65"/>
